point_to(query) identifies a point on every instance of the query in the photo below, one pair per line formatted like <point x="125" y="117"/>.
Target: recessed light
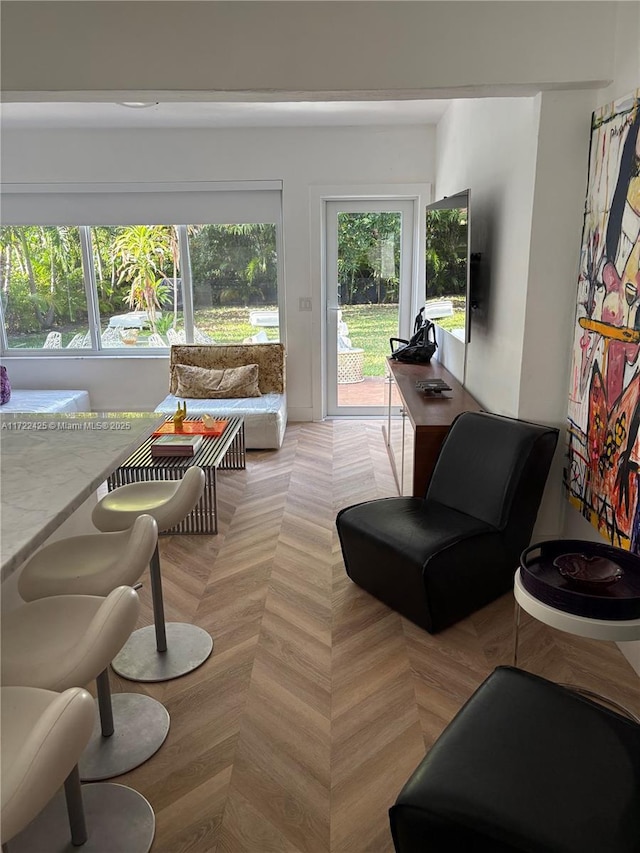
<point x="138" y="105"/>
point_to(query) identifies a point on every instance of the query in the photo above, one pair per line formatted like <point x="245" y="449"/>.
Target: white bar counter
<point x="50" y="464"/>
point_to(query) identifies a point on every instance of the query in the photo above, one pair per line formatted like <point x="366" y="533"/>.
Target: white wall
<point x="525" y="161"/>
<point x="118" y="384"/>
<point x="489" y="146"/>
<point x="301" y="158"/>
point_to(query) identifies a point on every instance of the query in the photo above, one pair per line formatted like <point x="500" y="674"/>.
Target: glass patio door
<point x="369" y="298"/>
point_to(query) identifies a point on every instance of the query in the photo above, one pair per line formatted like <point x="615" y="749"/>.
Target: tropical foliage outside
<point x="42" y="277"/>
<point x="369" y="258"/>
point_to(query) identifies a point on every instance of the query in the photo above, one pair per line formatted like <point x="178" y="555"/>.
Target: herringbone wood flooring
<point x="318" y="701"/>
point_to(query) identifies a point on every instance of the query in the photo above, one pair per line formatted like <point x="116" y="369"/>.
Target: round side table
<point x="623" y="630"/>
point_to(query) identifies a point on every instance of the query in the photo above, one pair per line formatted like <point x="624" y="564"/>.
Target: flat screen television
<point x="450" y="264"/>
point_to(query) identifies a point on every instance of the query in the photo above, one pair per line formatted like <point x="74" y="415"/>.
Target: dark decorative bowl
<point x="589" y="572"/>
<point x="618" y="599"/>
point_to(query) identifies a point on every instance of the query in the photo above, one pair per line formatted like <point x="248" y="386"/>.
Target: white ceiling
<point x="215" y="114"/>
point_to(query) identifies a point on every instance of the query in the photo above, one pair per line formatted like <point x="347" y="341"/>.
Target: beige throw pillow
<point x="204" y="383"/>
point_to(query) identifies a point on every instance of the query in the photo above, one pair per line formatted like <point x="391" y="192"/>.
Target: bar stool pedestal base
<point x="141" y="725"/>
<point x="188" y="646"/>
<point x="118" y="819"/>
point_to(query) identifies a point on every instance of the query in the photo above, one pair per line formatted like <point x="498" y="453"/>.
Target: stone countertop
<point x="51" y="463"/>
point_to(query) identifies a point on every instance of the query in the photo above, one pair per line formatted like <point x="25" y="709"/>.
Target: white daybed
<point x="265" y="417"/>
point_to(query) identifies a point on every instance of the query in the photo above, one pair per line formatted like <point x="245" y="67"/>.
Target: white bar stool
<point x="95" y="565"/>
<point x="43" y="734"/>
<point x="161" y="651"/>
<point x="68" y="640"/>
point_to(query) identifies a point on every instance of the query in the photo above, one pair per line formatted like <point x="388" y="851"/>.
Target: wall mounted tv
<point x="450" y="265"/>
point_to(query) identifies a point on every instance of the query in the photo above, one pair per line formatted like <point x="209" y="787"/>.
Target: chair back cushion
<point x="494" y="468"/>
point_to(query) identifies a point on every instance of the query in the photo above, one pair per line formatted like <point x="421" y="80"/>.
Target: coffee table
<point x="225" y="452"/>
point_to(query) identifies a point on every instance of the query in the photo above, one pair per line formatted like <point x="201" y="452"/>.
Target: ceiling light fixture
<point x="138" y="105"/>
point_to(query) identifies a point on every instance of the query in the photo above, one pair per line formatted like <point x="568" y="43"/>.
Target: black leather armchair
<point x="526" y="766"/>
<point x="438" y="558"/>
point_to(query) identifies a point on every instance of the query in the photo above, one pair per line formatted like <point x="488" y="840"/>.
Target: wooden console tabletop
<point x="429" y="417"/>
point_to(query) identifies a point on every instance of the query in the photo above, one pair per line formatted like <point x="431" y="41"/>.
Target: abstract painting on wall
<point x="603" y="465"/>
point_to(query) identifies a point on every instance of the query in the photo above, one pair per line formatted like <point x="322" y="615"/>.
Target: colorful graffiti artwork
<point x="603" y="466"/>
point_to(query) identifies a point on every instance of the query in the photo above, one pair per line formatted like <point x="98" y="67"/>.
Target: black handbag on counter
<point x="422" y="345"/>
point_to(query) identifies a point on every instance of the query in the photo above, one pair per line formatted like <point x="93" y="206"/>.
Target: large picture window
<point x="135" y="287"/>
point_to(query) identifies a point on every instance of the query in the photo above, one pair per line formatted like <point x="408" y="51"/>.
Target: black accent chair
<point x="438" y="558"/>
<point x="526" y="766"/>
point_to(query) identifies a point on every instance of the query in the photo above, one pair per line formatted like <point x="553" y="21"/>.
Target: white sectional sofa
<point x="265" y="417"/>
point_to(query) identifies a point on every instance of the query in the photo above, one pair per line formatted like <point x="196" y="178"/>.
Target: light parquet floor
<point x="318" y="701"/>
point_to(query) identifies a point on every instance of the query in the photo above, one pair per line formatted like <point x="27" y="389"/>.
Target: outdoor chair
<point x="175" y="336"/>
<point x="53" y="341"/>
<point x="79" y="341"/>
<point x="350" y="358"/>
<point x="111" y="338"/>
<point x="156" y="340"/>
<point x="201" y="337"/>
<point x="259" y="338"/>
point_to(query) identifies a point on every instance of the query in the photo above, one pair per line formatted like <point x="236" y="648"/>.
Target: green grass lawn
<point x="231" y="325"/>
<point x="370" y="327"/>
